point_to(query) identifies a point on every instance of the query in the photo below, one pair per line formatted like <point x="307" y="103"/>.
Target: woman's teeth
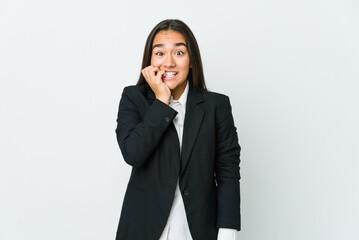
<point x="170" y="74"/>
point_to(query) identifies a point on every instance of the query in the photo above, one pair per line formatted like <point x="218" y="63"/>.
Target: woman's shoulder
<point x="135" y="89"/>
<point x="215" y="97"/>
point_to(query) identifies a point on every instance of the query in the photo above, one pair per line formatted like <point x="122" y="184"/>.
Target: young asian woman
<point x="182" y="143"/>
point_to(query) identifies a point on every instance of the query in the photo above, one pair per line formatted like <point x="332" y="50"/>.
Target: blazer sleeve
<point x="137" y="137"/>
<point x="227" y="170"/>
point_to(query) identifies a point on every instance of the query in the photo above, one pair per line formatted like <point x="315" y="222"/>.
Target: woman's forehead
<point x="169" y="38"/>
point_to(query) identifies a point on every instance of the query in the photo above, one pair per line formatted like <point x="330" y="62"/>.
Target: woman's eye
<point x="159" y="53"/>
<point x="179" y="52"/>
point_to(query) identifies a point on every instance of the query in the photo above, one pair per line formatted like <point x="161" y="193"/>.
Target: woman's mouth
<point x="169" y="75"/>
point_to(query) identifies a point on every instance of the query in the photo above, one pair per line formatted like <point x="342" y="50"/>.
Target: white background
<point x="290" y="69"/>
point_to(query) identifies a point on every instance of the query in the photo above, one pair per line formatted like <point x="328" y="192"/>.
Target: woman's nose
<point x="169" y="61"/>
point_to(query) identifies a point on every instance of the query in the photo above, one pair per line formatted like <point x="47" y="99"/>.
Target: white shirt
<point x="177" y="226"/>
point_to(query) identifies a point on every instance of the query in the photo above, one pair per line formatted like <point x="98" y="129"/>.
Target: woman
<point x="182" y="144"/>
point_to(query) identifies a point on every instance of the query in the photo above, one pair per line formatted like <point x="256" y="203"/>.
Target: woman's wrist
<point x="165" y="100"/>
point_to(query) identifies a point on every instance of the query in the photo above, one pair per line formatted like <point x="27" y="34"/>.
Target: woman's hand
<point x="153" y="76"/>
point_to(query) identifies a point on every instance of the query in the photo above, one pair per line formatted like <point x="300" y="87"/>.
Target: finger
<point x="146" y="76"/>
<point x="148" y="68"/>
<point x="155" y="69"/>
<point x="159" y="74"/>
<point x="153" y="72"/>
<point x="146" y="71"/>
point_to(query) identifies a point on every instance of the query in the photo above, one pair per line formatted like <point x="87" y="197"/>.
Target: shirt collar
<point x="183" y="98"/>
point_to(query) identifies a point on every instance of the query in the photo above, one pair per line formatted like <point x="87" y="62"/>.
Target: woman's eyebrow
<point x="175" y="44"/>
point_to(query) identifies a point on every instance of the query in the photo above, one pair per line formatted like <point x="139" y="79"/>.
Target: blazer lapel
<point x="192" y="123"/>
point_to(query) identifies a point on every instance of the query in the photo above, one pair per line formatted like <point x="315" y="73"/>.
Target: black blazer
<point x="207" y="168"/>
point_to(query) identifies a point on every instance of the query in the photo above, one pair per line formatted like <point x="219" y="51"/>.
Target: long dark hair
<point x="195" y="74"/>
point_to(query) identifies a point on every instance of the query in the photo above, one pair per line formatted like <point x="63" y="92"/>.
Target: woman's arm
<point x="138" y="138"/>
<point x="227" y="170"/>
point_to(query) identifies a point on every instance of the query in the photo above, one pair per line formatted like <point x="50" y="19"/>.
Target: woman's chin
<point x="170" y="85"/>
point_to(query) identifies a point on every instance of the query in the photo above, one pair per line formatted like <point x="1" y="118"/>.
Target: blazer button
<point x="167" y="119"/>
<point x="186" y="192"/>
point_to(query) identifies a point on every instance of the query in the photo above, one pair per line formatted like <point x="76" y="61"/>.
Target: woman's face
<point x="169" y="53"/>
